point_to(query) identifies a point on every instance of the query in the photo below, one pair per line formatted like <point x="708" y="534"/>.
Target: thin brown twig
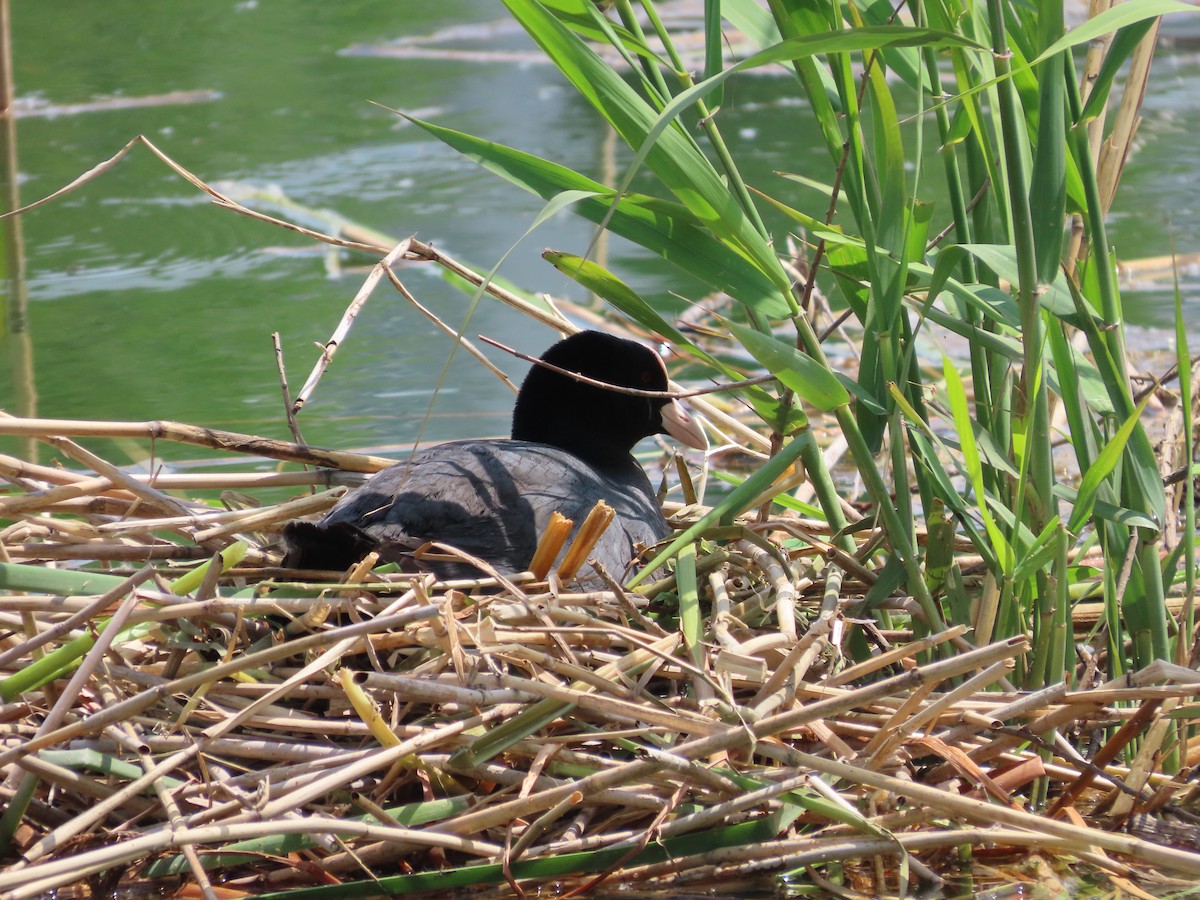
<point x="293" y="425"/>
<point x="634" y="392"/>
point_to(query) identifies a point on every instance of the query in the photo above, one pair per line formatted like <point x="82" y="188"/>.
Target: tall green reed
<point x="994" y="85"/>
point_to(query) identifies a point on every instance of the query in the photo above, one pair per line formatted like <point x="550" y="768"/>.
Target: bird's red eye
<point x="646" y="377"/>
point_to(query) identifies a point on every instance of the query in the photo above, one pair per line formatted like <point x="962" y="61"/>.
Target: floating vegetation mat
<point x="179" y="712"/>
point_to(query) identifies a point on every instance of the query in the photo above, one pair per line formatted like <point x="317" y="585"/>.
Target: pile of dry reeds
<point x="227" y="731"/>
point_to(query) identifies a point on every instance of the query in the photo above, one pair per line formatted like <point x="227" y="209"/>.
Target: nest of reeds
<point x="180" y="712"/>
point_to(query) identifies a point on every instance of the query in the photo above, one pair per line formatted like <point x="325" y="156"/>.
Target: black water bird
<point x="571" y="446"/>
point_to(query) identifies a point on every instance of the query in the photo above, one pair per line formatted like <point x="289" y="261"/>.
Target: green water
<point x="144" y="302"/>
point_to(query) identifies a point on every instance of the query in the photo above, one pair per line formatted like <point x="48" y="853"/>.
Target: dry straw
<point x="499" y="723"/>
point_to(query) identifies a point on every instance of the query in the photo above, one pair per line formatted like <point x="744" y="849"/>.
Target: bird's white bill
<point x="679" y="425"/>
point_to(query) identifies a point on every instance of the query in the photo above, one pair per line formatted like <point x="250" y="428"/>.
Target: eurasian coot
<point x="571" y="447"/>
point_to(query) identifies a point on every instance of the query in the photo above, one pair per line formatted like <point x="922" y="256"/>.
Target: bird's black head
<point x="597" y="425"/>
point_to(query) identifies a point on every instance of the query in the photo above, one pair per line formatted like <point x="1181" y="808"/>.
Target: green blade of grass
<point x="546" y="868"/>
<point x="663" y="227"/>
<point x="241" y="853"/>
<point x="691" y="618"/>
<point x="732" y="504"/>
<point x="1123" y="44"/>
<point x="1102" y="466"/>
<point x="971" y="463"/>
<point x="672" y="156"/>
<point x="1113" y="19"/>
<point x="61" y="582"/>
<point x="801" y="373"/>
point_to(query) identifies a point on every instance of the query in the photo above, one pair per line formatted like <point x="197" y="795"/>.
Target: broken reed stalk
<point x="202" y="437"/>
<point x="330" y="347"/>
<point x="550" y="544"/>
<point x="598" y="519"/>
<point x="15" y="469"/>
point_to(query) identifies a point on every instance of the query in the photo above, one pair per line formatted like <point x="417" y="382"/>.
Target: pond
<point x="146" y="302"/>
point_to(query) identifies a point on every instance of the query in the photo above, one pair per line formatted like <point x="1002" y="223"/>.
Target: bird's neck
<point x="613" y="459"/>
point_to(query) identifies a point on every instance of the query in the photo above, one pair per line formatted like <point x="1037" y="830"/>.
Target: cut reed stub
<point x="550" y="544"/>
<point x="589" y="532"/>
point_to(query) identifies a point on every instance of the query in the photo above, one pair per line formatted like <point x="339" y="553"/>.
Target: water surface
<point x="145" y="302"/>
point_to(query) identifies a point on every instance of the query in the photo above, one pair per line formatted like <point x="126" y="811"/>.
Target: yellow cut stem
<point x="550" y="543"/>
<point x="593" y="526"/>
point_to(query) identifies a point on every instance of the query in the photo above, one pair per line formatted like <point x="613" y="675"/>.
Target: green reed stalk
<point x="1032" y="398"/>
<point x="1142" y="613"/>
